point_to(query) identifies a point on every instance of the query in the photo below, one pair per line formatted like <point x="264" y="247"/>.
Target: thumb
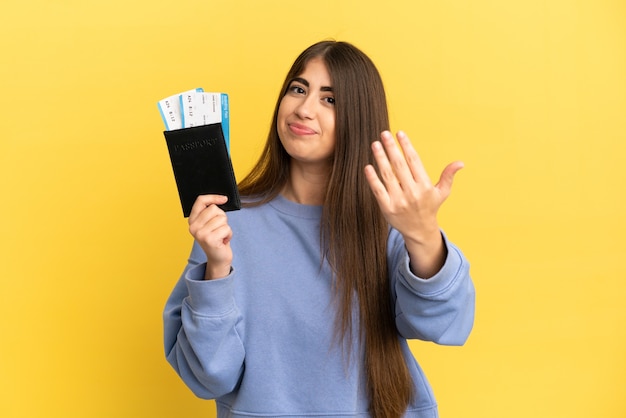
<point x="447" y="177"/>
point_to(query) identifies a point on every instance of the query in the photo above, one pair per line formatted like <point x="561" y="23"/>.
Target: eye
<point x="296" y="89"/>
<point x="330" y="100"/>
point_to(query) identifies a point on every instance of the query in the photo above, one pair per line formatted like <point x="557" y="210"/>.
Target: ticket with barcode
<point x="171" y="112"/>
<point x="200" y="108"/>
<point x="196" y="108"/>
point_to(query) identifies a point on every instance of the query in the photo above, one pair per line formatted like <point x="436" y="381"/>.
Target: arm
<point x="201" y="320"/>
<point x="201" y="337"/>
<point x="430" y="277"/>
<point x="440" y="309"/>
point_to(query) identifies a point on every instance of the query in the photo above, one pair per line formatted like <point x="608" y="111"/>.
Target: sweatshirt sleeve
<point x="439" y="309"/>
<point x="202" y="342"/>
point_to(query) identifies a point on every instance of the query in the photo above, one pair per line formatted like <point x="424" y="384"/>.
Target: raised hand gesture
<point x="409" y="201"/>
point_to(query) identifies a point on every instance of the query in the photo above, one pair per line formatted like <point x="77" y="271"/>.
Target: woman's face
<point x="306" y="116"/>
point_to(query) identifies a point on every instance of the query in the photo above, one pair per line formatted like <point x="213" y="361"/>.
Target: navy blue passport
<point x="202" y="165"/>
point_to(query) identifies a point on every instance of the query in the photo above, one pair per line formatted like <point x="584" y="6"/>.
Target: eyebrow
<point x="306" y="83"/>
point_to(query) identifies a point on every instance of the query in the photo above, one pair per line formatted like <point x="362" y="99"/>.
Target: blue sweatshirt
<point x="261" y="341"/>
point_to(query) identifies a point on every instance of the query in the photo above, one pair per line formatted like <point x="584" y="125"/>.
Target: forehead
<point x="315" y="70"/>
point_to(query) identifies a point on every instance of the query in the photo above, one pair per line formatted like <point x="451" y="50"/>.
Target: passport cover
<point x="201" y="165"/>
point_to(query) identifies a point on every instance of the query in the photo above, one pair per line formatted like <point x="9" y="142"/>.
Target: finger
<point x="203" y="218"/>
<point x="204" y="201"/>
<point x="395" y="156"/>
<point x="216" y="232"/>
<point x="447" y="178"/>
<point x="412" y="158"/>
<point x="381" y="155"/>
<point x="377" y="187"/>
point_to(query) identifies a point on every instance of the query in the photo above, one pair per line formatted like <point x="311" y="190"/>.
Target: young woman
<point x="300" y="304"/>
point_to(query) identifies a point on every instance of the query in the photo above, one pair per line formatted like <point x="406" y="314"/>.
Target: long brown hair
<point x="353" y="230"/>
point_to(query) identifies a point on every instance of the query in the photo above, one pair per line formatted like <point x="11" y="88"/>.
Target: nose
<point x="306" y="108"/>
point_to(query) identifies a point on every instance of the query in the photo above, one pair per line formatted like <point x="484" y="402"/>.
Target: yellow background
<point x="530" y="94"/>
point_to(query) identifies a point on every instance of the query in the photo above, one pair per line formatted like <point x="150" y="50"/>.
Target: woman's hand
<point x="409" y="201"/>
<point x="209" y="226"/>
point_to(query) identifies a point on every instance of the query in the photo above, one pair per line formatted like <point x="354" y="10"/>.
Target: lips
<point x="299" y="129"/>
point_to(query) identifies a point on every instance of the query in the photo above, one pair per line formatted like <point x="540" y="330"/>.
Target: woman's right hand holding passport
<point x="208" y="225"/>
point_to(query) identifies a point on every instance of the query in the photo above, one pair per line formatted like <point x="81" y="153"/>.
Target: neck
<point x="306" y="186"/>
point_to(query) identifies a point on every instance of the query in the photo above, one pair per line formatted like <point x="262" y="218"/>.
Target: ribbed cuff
<point x="209" y="297"/>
